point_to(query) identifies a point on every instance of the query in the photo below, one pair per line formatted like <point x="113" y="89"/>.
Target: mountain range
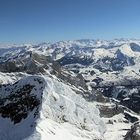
<point x="70" y="90"/>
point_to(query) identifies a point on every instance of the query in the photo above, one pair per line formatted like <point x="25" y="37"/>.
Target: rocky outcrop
<point x="128" y="94"/>
<point x="17" y="101"/>
<point x="134" y="132"/>
<point x="31" y="63"/>
<point x="110" y="111"/>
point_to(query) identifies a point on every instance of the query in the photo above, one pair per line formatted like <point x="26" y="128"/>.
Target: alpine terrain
<point x="70" y="90"/>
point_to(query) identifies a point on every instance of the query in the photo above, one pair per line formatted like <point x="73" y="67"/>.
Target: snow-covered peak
<point x="126" y="50"/>
<point x="85" y="47"/>
<point x="56" y="90"/>
<point x="35" y="101"/>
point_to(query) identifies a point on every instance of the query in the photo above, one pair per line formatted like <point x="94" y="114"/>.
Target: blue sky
<point x="53" y="20"/>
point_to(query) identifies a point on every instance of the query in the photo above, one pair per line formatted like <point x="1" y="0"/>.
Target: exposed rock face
<point x="134" y="132"/>
<point x="74" y="59"/>
<point x="113" y="64"/>
<point x="128" y="94"/>
<point x="77" y="80"/>
<point x="135" y="47"/>
<point x="8" y="67"/>
<point x="17" y="101"/>
<point x="130" y="118"/>
<point x="19" y="105"/>
<point x="31" y="63"/>
<point x="110" y="111"/>
<point x="99" y="97"/>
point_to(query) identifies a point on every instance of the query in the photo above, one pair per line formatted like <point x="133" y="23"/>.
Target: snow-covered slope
<point x="62" y="105"/>
<point x="41" y="108"/>
<point x="74" y="90"/>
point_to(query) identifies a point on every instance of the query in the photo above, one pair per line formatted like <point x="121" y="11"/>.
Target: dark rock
<point x="130" y="118"/>
<point x="74" y="59"/>
<point x="134" y="132"/>
<point x="20" y="102"/>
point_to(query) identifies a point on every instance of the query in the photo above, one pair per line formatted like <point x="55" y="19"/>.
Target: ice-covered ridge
<point x="62" y="105"/>
<point x="55" y="104"/>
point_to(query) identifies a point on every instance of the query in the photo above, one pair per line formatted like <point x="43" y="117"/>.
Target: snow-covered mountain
<point x="74" y="90"/>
